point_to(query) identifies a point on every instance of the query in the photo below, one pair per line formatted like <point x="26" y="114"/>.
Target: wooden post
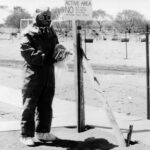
<point x="126" y="45"/>
<point x="77" y="11"/>
<point x="81" y="113"/>
<point x="78" y="80"/>
<point x="147" y="71"/>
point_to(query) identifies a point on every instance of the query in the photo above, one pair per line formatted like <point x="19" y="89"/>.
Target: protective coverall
<point x="38" y="89"/>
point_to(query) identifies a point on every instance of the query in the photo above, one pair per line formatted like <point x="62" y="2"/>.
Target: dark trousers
<point x="38" y="92"/>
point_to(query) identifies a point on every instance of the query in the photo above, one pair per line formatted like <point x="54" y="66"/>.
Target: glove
<point x="60" y="53"/>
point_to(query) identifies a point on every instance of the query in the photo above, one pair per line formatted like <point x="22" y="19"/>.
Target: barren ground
<point x="125" y="90"/>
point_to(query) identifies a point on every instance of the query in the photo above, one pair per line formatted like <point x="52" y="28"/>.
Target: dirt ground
<point x="69" y="139"/>
<point x="125" y="91"/>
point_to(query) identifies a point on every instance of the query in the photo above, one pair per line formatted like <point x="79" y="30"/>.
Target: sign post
<point x="147" y="72"/>
<point x="76" y="10"/>
<point x="80" y="101"/>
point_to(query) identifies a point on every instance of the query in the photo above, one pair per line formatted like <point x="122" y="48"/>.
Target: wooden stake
<point x="78" y="81"/>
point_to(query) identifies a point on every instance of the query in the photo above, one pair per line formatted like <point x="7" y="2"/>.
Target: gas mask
<point x="43" y="19"/>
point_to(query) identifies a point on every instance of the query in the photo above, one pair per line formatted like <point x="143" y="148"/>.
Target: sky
<point x="111" y="7"/>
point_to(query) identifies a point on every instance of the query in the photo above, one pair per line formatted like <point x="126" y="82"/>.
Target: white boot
<point x="45" y="137"/>
<point x="27" y="141"/>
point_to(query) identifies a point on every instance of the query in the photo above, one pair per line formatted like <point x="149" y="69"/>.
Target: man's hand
<point x="60" y="53"/>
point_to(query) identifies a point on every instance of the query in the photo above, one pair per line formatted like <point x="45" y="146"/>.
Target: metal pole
<point x="147" y="72"/>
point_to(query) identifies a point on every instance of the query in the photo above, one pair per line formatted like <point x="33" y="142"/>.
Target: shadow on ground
<point x="88" y="144"/>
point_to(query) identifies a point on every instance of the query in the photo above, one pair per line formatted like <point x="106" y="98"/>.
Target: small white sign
<point x="78" y="10"/>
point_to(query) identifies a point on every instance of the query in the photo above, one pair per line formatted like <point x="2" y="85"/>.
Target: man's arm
<point x="30" y="54"/>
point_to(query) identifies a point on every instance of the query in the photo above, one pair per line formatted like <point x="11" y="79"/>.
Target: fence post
<point x="126" y="42"/>
<point x="147" y="71"/>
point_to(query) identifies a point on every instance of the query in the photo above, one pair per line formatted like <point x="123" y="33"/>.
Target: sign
<point x="78" y="10"/>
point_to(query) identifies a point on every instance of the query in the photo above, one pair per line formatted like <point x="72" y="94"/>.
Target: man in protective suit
<point x="37" y="49"/>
